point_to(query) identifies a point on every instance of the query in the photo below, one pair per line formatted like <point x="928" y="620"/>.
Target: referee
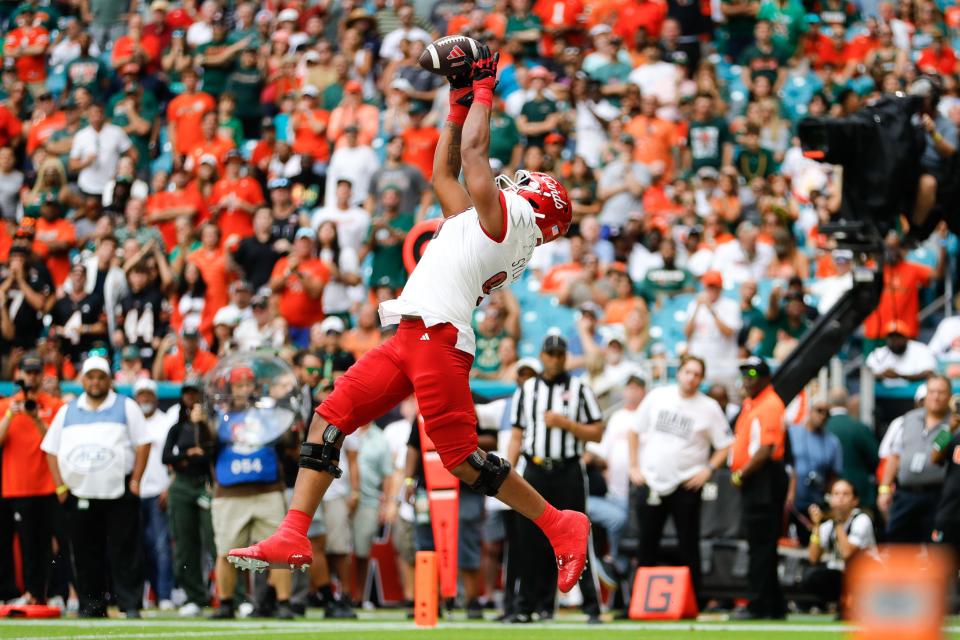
<point x="554" y="415"/>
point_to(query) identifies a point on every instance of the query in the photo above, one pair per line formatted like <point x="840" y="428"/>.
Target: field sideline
<point x="390" y="626"/>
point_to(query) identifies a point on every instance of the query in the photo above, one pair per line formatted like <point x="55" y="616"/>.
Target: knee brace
<point x="323" y="456"/>
<point x="493" y="471"/>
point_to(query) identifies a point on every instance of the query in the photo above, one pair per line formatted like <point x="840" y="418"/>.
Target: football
<point x="449" y="55"/>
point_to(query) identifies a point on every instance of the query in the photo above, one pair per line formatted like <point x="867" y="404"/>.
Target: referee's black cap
<point x="755" y="367"/>
<point x="554" y="343"/>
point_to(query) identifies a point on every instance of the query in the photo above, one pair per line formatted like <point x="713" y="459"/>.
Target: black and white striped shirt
<point x="567" y="395"/>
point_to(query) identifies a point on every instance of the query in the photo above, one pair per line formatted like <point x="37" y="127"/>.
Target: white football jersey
<point x="461" y="265"/>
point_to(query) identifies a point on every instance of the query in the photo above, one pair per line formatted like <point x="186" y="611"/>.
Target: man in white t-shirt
<point x="670" y="460"/>
<point x="901" y="360"/>
<point x="611" y="454"/>
<point x="352" y="220"/>
<point x="96" y="151"/>
<point x="154" y="523"/>
<point x="713" y="323"/>
<point x="744" y="258"/>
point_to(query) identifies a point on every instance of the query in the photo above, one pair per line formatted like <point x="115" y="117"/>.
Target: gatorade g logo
<point x="455" y="53"/>
<point x="658" y="600"/>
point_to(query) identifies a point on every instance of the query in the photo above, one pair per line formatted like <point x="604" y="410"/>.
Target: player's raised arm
<point x="475" y="151"/>
<point x="452" y="196"/>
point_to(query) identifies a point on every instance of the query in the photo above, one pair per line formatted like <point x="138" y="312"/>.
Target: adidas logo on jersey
<point x="455" y="53"/>
<point x="425" y="336"/>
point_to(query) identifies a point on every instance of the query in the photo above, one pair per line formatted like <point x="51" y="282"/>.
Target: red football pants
<point x="420" y="360"/>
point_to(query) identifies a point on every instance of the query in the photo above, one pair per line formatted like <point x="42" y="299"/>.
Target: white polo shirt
<point x="108" y="145"/>
<point x="675" y="436"/>
<point x="96" y="448"/>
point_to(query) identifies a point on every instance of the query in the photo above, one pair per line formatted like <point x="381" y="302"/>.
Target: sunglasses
<point x="314" y="371"/>
<point x="750" y="373"/>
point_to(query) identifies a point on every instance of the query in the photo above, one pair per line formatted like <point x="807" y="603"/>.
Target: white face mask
<point x="147" y="407"/>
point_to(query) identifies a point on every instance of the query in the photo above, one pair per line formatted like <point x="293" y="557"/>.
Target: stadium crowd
<point x="182" y="181"/>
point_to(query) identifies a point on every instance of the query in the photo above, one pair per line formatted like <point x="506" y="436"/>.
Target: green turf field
<point x="390" y="626"/>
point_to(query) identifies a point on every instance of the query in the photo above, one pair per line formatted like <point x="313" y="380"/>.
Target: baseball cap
<point x="233" y="154"/>
<point x="418" y="108"/>
<point x="31" y="362"/>
<point x="159" y="5"/>
<point x="241" y="373"/>
<point x="554" y="138"/>
<point x="227" y="316"/>
<point x="554" y="343"/>
<point x="708" y="173"/>
<point x="539" y="72"/>
<point x="332" y="323"/>
<point x="267" y="123"/>
<point x="192" y="382"/>
<point x="189" y="331"/>
<point x="591" y="308"/>
<point x="530" y="363"/>
<point x="310" y="90"/>
<point x="352" y="86"/>
<point x="288" y="15"/>
<point x="208" y="158"/>
<point x="130" y="352"/>
<point x="96" y="363"/>
<point x="754" y="367"/>
<point x="278" y="183"/>
<point x="306" y="232"/>
<point x="842" y="255"/>
<point x="144" y="384"/>
<point x="898" y="326"/>
<point x="712" y="279"/>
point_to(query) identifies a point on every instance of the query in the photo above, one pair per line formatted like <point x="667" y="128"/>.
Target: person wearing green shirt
<point x="709" y="143"/>
<point x="741" y="17"/>
<point x="539" y="115"/>
<point x="667" y="280"/>
<point x="789" y="20"/>
<point x="790" y="320"/>
<point x="134" y="110"/>
<point x="754" y="161"/>
<point x="87" y="71"/>
<point x="385" y="240"/>
<point x="524" y="27"/>
<point x="245" y="83"/>
<point x="858" y="445"/>
<point x="763" y="58"/>
<point x="504" y="137"/>
<point x="218" y="58"/>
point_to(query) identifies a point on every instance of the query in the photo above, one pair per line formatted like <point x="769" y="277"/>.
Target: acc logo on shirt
<point x="90" y="458"/>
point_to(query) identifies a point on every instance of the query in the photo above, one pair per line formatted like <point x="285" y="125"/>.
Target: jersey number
<point x="492" y="284"/>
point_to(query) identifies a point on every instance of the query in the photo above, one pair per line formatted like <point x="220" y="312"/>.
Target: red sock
<point x="548" y="521"/>
<point x="299" y="521"/>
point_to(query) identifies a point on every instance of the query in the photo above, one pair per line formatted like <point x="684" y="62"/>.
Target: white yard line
<point x="241" y="628"/>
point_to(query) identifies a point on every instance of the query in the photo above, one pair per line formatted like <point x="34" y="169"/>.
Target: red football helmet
<point x="549" y="199"/>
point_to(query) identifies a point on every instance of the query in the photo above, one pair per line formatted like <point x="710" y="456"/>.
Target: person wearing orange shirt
<point x="211" y="259"/>
<point x="54" y="238"/>
<point x="419" y="142"/>
<point x="560" y="19"/>
<point x="309" y="124"/>
<point x="185" y="112"/>
<point x="136" y="47"/>
<point x="46" y="120"/>
<point x="164" y="207"/>
<point x="209" y="143"/>
<point x="758" y="470"/>
<point x="234" y="200"/>
<point x="10" y="126"/>
<point x="353" y="111"/>
<point x="27" y="45"/>
<point x="939" y="57"/>
<point x="900" y="299"/>
<point x="299" y="280"/>
<point x="27" y="483"/>
<point x="655" y="139"/>
<point x="188" y="361"/>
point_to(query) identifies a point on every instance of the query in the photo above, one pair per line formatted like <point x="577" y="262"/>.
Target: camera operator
<point x="941" y="137"/>
<point x="837" y="536"/>
<point x="27" y="482"/>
